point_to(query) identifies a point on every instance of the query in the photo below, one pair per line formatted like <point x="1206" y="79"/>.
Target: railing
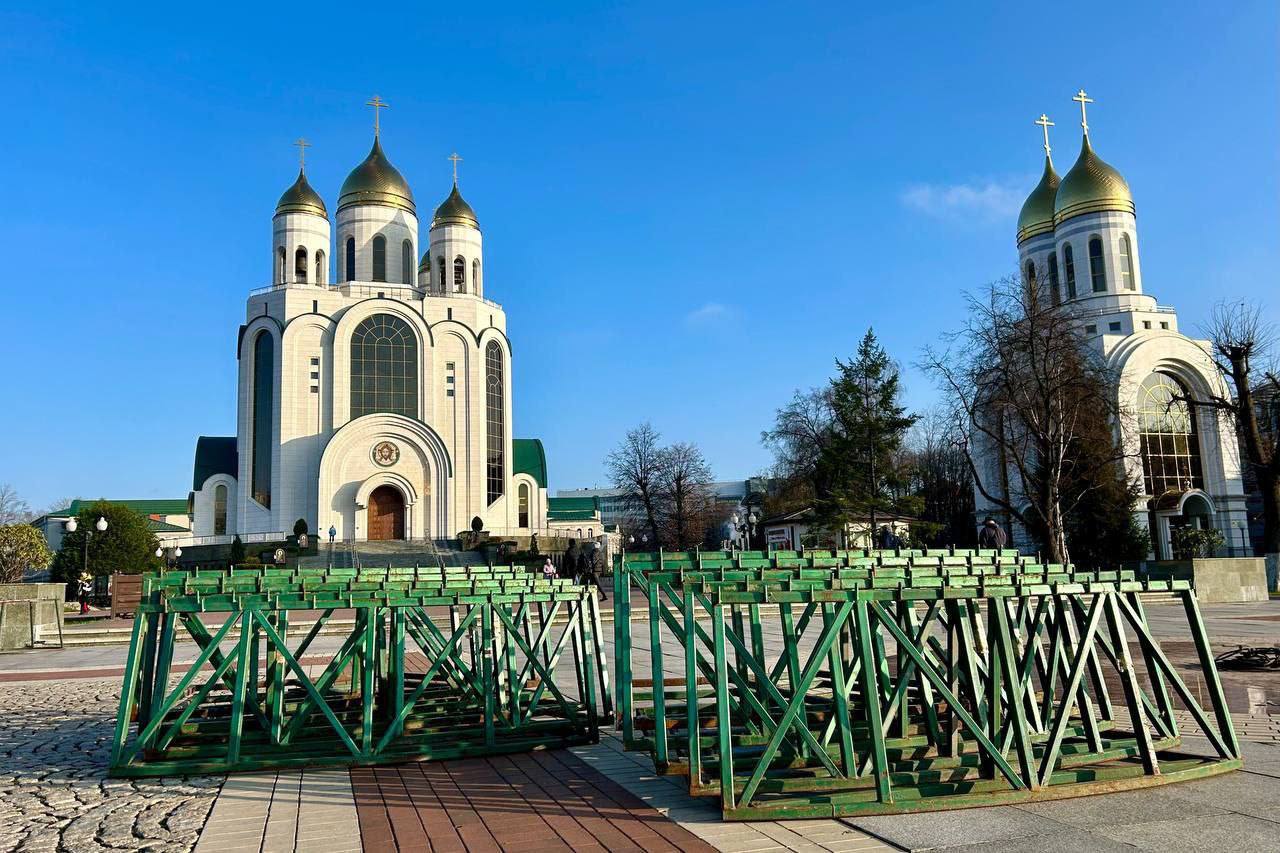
<point x="224" y="539"/>
<point x="376" y="289"/>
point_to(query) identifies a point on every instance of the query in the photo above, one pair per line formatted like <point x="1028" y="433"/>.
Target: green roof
<point x="215" y="454"/>
<point x="573" y="509"/>
<point x="530" y="459"/>
<point x="571" y="515"/>
<point x="156" y="506"/>
<point x="590" y="504"/>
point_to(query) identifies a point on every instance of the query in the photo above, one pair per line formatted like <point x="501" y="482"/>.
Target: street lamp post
<point x="72" y="525"/>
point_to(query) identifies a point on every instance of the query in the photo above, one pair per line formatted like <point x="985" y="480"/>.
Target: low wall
<point x="1216" y="579"/>
<point x="23" y="603"/>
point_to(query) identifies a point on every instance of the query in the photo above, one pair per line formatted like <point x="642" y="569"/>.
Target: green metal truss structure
<point x="440" y="663"/>
<point x="840" y="683"/>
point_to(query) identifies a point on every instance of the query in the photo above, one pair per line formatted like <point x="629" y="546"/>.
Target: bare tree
<point x="802" y="430"/>
<point x="13" y="509"/>
<point x="941" y="477"/>
<point x="686" y="494"/>
<point x="1026" y="387"/>
<point x="1244" y="353"/>
<point x="636" y="468"/>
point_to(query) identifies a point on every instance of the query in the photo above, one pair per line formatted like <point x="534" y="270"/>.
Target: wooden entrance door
<point x="386" y="513"/>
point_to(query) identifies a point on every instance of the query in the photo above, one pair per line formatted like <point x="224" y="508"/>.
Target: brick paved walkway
<point x="549" y="801"/>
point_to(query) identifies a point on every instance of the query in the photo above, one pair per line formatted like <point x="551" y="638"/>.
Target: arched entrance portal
<point x="386" y="513"/>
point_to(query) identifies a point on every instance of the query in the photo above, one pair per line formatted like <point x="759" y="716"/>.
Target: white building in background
<point x="374" y="379"/>
<point x="614" y="509"/>
<point x="1081" y="233"/>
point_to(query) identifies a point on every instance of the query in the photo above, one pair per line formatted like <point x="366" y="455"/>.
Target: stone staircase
<point x="398" y="554"/>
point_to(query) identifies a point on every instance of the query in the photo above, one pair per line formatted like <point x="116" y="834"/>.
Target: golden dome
<point x="455" y="211"/>
<point x="1037" y="211"/>
<point x="376" y="181"/>
<point x="1090" y="186"/>
<point x="301" y="198"/>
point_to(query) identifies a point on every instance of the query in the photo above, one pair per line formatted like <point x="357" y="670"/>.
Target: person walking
<point x="992" y="535"/>
<point x="569" y="562"/>
<point x="587" y="571"/>
<point x="82" y="590"/>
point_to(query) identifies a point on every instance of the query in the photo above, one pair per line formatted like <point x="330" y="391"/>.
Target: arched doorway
<point x="386" y="513"/>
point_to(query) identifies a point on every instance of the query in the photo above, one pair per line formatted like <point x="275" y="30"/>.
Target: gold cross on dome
<point x="1045" y="124"/>
<point x="303" y="145"/>
<point x="378" y="104"/>
<point x="1083" y="99"/>
<point x="456" y="160"/>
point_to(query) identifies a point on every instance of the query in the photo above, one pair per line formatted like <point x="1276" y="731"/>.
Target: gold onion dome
<point x="376" y="181"/>
<point x="1037" y="211"/>
<point x="301" y="198"/>
<point x="455" y="211"/>
<point x="1091" y="185"/>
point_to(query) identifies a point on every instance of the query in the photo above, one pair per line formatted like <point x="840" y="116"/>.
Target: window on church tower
<point x="1030" y="282"/>
<point x="441" y="274"/>
<point x="495" y="421"/>
<point x="351" y="259"/>
<point x="379" y="258"/>
<point x="1168" y="438"/>
<point x="1097" y="269"/>
<point x="320" y="266"/>
<point x="300" y="265"/>
<point x="475" y="276"/>
<point x="1069" y="269"/>
<point x="1126" y="263"/>
<point x="280" y="266"/>
<point x="406" y="262"/>
<point x="219" y="509"/>
<point x="264" y="358"/>
<point x="384" y="367"/>
<point x="523" y="520"/>
<point x="1053" y="278"/>
<point x="459" y="275"/>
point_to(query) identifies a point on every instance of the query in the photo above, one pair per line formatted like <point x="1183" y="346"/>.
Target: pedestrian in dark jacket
<point x="569" y="562"/>
<point x="991" y="535"/>
<point x="587" y="571"/>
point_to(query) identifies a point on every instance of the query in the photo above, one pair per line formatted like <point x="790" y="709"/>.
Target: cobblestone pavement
<point x="55" y="743"/>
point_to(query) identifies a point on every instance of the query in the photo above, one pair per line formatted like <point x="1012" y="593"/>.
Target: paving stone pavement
<point x="55" y="744"/>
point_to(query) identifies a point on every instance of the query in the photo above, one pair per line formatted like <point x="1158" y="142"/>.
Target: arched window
<point x="442" y="282"/>
<point x="379" y="258"/>
<point x="1053" y="278"/>
<point x="1069" y="269"/>
<point x="1168" y="437"/>
<point x="300" y="265"/>
<point x="591" y="531"/>
<point x="320" y="276"/>
<point x="1097" y="269"/>
<point x="459" y="275"/>
<point x="1126" y="263"/>
<point x="523" y="505"/>
<point x="406" y="262"/>
<point x="281" y="260"/>
<point x="494" y="420"/>
<point x="1029" y="281"/>
<point x="351" y="259"/>
<point x="384" y="367"/>
<point x="264" y="360"/>
<point x="475" y="276"/>
<point x="219" y="509"/>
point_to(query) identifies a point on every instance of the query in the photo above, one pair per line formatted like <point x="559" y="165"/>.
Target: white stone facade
<point x="1140" y="343"/>
<point x="440" y="387"/>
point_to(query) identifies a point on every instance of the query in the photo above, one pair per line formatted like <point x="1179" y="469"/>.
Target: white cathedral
<point x="374" y="387"/>
<point x="1080" y="232"/>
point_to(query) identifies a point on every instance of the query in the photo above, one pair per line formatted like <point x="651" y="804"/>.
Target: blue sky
<point x="689" y="209"/>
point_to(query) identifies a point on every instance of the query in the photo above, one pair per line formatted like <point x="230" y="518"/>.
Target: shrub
<point x="300" y="527"/>
<point x="237" y="551"/>
<point x="22" y="548"/>
<point x="127" y="545"/>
